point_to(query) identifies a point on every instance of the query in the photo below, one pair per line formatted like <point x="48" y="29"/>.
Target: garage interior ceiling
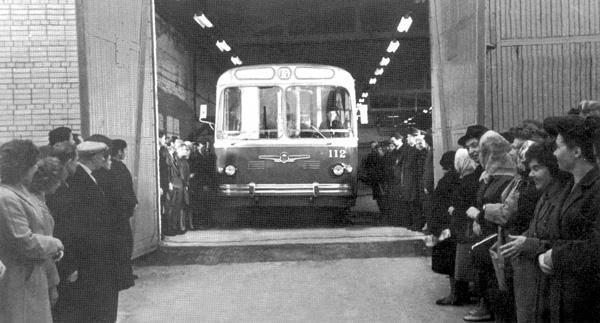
<point x="351" y="34"/>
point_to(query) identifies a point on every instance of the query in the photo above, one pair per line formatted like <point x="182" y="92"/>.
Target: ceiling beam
<point x="324" y="38"/>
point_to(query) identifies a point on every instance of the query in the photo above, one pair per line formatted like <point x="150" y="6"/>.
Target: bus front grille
<point x="256" y="165"/>
<point x="311" y="164"/>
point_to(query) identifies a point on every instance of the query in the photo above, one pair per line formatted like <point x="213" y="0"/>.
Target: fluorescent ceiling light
<point x="384" y="61"/>
<point x="378" y="71"/>
<point x="393" y="46"/>
<point x="404" y="24"/>
<point x="372" y="80"/>
<point x="203" y="21"/>
<point x="222" y="45"/>
<point x="365" y="95"/>
<point x="405" y="121"/>
<point x="236" y="60"/>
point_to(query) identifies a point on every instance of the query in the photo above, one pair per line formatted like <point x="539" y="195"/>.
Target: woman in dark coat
<point x="573" y="260"/>
<point x="443" y="253"/>
<point x="530" y="284"/>
<point x="464" y="196"/>
<point x="499" y="170"/>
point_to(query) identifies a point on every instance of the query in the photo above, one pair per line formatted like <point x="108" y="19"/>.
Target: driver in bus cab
<point x="332" y="122"/>
<point x="234" y="119"/>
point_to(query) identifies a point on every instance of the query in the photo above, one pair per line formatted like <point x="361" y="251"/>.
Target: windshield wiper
<point x="318" y="131"/>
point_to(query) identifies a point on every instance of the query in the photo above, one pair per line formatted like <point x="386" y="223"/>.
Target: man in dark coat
<point x="202" y="185"/>
<point x="118" y="186"/>
<point x="89" y="289"/>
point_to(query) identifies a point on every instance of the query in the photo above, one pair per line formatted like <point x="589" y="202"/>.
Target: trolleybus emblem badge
<point x="284" y="157"/>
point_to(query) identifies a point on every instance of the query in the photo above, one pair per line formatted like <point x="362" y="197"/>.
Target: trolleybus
<point x="286" y="135"/>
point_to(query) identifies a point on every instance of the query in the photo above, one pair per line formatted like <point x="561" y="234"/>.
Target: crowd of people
<point x="187" y="184"/>
<point x="515" y="220"/>
<point x="65" y="235"/>
<point x="400" y="174"/>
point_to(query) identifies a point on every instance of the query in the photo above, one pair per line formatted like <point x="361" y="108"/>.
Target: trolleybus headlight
<point x="338" y="170"/>
<point x="349" y="168"/>
<point x="230" y="170"/>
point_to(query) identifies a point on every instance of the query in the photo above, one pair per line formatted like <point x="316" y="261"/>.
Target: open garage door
<point x="118" y="96"/>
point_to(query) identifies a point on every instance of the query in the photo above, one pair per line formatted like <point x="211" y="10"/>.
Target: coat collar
<point x="21" y="192"/>
<point x="577" y="192"/>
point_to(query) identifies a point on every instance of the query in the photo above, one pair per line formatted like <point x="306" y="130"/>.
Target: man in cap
<point x="470" y="140"/>
<point x="88" y="291"/>
<point x="332" y="122"/>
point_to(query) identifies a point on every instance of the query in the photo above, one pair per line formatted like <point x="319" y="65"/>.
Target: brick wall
<point x="39" y="76"/>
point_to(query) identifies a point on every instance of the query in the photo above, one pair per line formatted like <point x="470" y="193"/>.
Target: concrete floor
<point x="347" y="290"/>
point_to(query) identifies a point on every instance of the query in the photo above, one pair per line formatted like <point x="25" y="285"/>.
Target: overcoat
<point x="530" y="284"/>
<point x="24" y="250"/>
<point x="463" y="197"/>
<point x="91" y="249"/>
<point x="117" y="185"/>
<point x="443" y="254"/>
<point x="575" y="284"/>
<point x="48" y="229"/>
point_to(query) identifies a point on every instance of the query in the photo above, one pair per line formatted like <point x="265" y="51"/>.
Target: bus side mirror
<point x="203" y="111"/>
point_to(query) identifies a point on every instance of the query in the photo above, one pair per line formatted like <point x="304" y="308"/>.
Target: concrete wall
<point x="457" y="60"/>
<point x="181" y="69"/>
<point x="118" y="98"/>
<point x="39" y="75"/>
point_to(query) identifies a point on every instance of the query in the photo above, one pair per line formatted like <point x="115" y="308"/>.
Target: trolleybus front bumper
<point x="320" y="194"/>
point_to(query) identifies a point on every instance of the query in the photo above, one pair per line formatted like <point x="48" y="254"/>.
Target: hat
<point x="565" y="124"/>
<point x="589" y="105"/>
<point x="475" y="131"/>
<point x="91" y="147"/>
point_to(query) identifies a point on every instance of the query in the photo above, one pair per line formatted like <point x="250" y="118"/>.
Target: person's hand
<point x="514" y="247"/>
<point x="545" y="262"/>
<point x="451" y="210"/>
<point x="473" y="212"/>
<point x="476" y="228"/>
<point x="2" y="269"/>
<point x="53" y="295"/>
<point x="73" y="277"/>
<point x="170" y="186"/>
<point x="58" y="256"/>
<point x="445" y="234"/>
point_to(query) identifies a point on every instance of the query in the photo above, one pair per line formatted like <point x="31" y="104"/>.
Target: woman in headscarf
<point x="463" y="197"/>
<point x="573" y="259"/>
<point x="530" y="284"/>
<point x="499" y="170"/>
<point x="50" y="175"/>
<point x="24" y="247"/>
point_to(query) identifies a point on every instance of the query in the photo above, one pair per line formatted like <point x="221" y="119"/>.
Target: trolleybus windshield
<point x="318" y="111"/>
<point x="252" y="112"/>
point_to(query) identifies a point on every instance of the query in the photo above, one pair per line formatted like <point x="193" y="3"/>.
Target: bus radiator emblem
<point x="283" y="158"/>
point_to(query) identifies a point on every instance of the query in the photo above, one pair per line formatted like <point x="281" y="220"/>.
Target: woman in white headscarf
<point x="463" y="197"/>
